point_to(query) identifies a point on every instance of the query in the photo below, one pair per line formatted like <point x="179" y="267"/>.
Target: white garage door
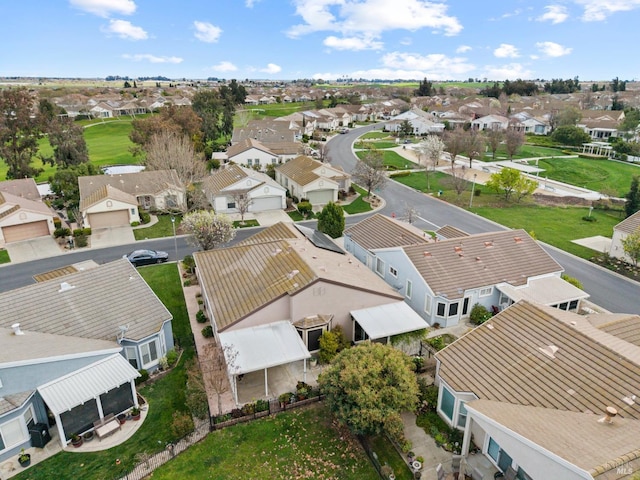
<point x="117" y="218"/>
<point x="15" y="233"/>
<point x="320" y="197"/>
<point x="266" y="203"/>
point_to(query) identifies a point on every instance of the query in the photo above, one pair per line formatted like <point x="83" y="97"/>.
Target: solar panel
<point x="319" y="239"/>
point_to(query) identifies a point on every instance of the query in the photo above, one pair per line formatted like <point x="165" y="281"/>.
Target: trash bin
<point x="40" y="435"/>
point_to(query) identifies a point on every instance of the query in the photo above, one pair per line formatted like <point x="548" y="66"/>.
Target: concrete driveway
<point x="109" y="237"/>
<point x="33" y="249"/>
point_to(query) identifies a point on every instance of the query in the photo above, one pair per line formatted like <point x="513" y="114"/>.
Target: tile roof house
<point x="22" y="214"/>
<point x="112" y="200"/>
<point x="233" y="183"/>
<point x="253" y="154"/>
<point x="421" y="122"/>
<point x="621" y="231"/>
<point x="71" y="347"/>
<point x="316" y="181"/>
<point x="294" y="283"/>
<point x="531" y="389"/>
<point x="442" y="280"/>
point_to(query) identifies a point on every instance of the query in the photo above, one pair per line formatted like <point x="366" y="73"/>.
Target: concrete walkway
<point x="424" y="445"/>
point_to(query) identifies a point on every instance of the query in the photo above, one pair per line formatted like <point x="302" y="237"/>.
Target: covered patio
<point x="552" y="291"/>
<point x="251" y="352"/>
<point x="384" y="321"/>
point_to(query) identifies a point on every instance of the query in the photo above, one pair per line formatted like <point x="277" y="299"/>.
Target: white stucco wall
<point x="254" y="154"/>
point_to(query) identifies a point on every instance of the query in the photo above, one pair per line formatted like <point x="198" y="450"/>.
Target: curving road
<point x="609" y="290"/>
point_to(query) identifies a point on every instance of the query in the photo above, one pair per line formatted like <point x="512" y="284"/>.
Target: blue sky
<point x="329" y="39"/>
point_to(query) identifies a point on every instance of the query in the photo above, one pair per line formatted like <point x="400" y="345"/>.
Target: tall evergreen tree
<point x="331" y="220"/>
<point x="632" y="204"/>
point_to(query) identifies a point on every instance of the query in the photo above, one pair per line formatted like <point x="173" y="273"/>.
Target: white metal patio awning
<point x="545" y="291"/>
<point x="387" y="320"/>
<point x="263" y="346"/>
<point x="76" y="388"/>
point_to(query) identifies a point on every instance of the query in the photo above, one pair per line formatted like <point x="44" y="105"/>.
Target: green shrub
<point x="172" y="357"/>
<point x="201" y="317"/>
<point x="477" y="192"/>
<point x="207" y="332"/>
<point x="479" y="314"/>
<point x="189" y="263"/>
<point x="57" y="222"/>
<point x="61" y="232"/>
<point x="262" y="405"/>
<point x="187" y="283"/>
<point x="305" y="208"/>
<point x="81" y="231"/>
<point x="181" y="425"/>
<point x="572" y="280"/>
<point x="135" y="224"/>
<point x="588" y="218"/>
<point x="329" y="344"/>
<point x="144" y="216"/>
<point x="144" y="376"/>
<point x="81" y="241"/>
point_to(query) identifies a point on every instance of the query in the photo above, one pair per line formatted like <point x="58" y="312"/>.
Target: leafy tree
<point x="511" y="182"/>
<point x="618" y="85"/>
<point x="513" y="140"/>
<point x="368" y="386"/>
<point x="494" y="138"/>
<point x="616" y="103"/>
<point x="19" y="130"/>
<point x="558" y="85"/>
<point x="64" y="183"/>
<point x="405" y="128"/>
<point x="369" y="171"/>
<point x="176" y="120"/>
<point x="331" y="220"/>
<point x="425" y="89"/>
<point x="569" y="116"/>
<point x="632" y="202"/>
<point x="67" y="140"/>
<point x="216" y="112"/>
<point x="570" y="135"/>
<point x="630" y="121"/>
<point x="631" y="246"/>
<point x="238" y="92"/>
<point x="208" y="230"/>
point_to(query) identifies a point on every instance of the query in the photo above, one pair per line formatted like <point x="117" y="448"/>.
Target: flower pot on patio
<point x="24" y="459"/>
<point x="122" y="418"/>
<point x="135" y="413"/>
<point x="88" y="436"/>
<point x="76" y="440"/>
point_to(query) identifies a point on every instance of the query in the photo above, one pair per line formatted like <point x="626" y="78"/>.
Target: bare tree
<point x="458" y="179"/>
<point x="431" y="149"/>
<point x="410" y="214"/>
<point x="243" y="202"/>
<point x="216" y="364"/>
<point x="455" y="141"/>
<point x="369" y="171"/>
<point x="494" y="138"/>
<point x="473" y="144"/>
<point x="513" y="140"/>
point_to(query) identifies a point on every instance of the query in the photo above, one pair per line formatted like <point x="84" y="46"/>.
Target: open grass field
<point x="303" y="443"/>
<point x="605" y="176"/>
<point x="526" y="151"/>
<point x="276" y="109"/>
<point x="164" y="397"/>
<point x="392" y="159"/>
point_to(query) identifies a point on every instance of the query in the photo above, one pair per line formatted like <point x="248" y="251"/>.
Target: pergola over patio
<point x="260" y="348"/>
<point x="552" y="291"/>
<point x="387" y="320"/>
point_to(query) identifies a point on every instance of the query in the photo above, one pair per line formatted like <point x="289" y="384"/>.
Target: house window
<point x="573" y="304"/>
<point x="249" y="162"/>
<point x="522" y="475"/>
<point x="447" y="401"/>
<point x="393" y="272"/>
<point x="563" y="306"/>
<point x="273" y="161"/>
<point x="133" y="211"/>
<point x="409" y="288"/>
<point x="171" y="201"/>
<point x="231" y="205"/>
<point x="379" y="266"/>
<point x="453" y="309"/>
<point x="12" y="433"/>
<point x="149" y="353"/>
<point x="257" y="162"/>
<point x="359" y="334"/>
<point x="494" y="449"/>
<point x="485" y="292"/>
<point x="427" y="304"/>
<point x="440" y="309"/>
<point x="132" y="357"/>
<point x="462" y="415"/>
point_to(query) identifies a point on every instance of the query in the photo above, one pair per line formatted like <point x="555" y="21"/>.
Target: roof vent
<point x="630" y="400"/>
<point x="478" y="259"/>
<point x="64" y="286"/>
<point x="609" y="414"/>
<point x="457" y="249"/>
<point x="549" y="350"/>
<point x="517" y="239"/>
<point x="427" y="254"/>
<point x="16" y="329"/>
<point x="488" y="244"/>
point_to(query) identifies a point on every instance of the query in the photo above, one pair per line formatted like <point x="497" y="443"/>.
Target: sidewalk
<point x="424" y="445"/>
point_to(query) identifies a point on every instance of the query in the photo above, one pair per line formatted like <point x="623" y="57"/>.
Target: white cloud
<point x="271" y="68"/>
<point x="552" y="49"/>
<point x="224" y="67"/>
<point x="506" y="51"/>
<point x="554" y="14"/>
<point x="125" y="29"/>
<point x="598" y="10"/>
<point x="139" y="57"/>
<point x="352" y="43"/>
<point x="104" y="8"/>
<point x="206" y="32"/>
<point x="250" y="3"/>
<point x="372" y="17"/>
<point x="406" y="41"/>
<point x="463" y="49"/>
<point x="510" y="71"/>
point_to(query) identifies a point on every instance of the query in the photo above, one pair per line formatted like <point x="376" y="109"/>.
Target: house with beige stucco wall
<point x="621" y="231"/>
<point x="22" y="214"/>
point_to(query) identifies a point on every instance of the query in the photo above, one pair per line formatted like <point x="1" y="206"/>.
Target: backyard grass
<point x="605" y="176"/>
<point x="163" y="228"/>
<point x="303" y="443"/>
<point x="164" y="397"/>
<point x="4" y="256"/>
<point x="387" y="454"/>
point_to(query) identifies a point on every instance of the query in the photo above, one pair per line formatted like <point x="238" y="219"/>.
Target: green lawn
<point x="604" y="176"/>
<point x="387" y="454"/>
<point x="303" y="443"/>
<point x="378" y="145"/>
<point x="246" y="223"/>
<point x="109" y="143"/>
<point x="526" y="151"/>
<point x="164" y="228"/>
<point x="277" y="109"/>
<point x="392" y="159"/>
<point x="4" y="256"/>
<point x="418" y="181"/>
<point x="375" y="135"/>
<point x="358" y="205"/>
<point x="164" y="396"/>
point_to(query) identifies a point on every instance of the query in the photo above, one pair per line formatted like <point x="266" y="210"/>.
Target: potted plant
<point x="122" y="418"/>
<point x="24" y="459"/>
<point x="411" y="456"/>
<point x="135" y="413"/>
<point x="284" y="398"/>
<point x="76" y="440"/>
<point x="88" y="436"/>
<point x="313" y="361"/>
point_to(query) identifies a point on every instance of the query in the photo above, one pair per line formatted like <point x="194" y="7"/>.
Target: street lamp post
<point x="473" y="187"/>
<point x="175" y="240"/>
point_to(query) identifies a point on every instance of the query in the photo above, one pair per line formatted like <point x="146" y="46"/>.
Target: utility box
<point x="40" y="435"/>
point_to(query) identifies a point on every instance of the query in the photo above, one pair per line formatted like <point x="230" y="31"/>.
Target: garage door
<point x="266" y="203"/>
<point x="117" y="218"/>
<point x="320" y="197"/>
<point x="15" y="233"/>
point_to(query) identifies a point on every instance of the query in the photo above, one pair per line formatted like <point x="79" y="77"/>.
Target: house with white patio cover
<point x="629" y="226"/>
<point x="70" y="350"/>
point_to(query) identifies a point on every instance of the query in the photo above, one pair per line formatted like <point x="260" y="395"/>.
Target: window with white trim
<point x="149" y="352"/>
<point x="485" y="292"/>
<point x="409" y="289"/>
<point x="427" y="304"/>
<point x="453" y="309"/>
<point x="12" y="433"/>
<point x="379" y="266"/>
<point x="393" y="271"/>
<point x="440" y="309"/>
<point x="462" y="415"/>
<point x="132" y="356"/>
